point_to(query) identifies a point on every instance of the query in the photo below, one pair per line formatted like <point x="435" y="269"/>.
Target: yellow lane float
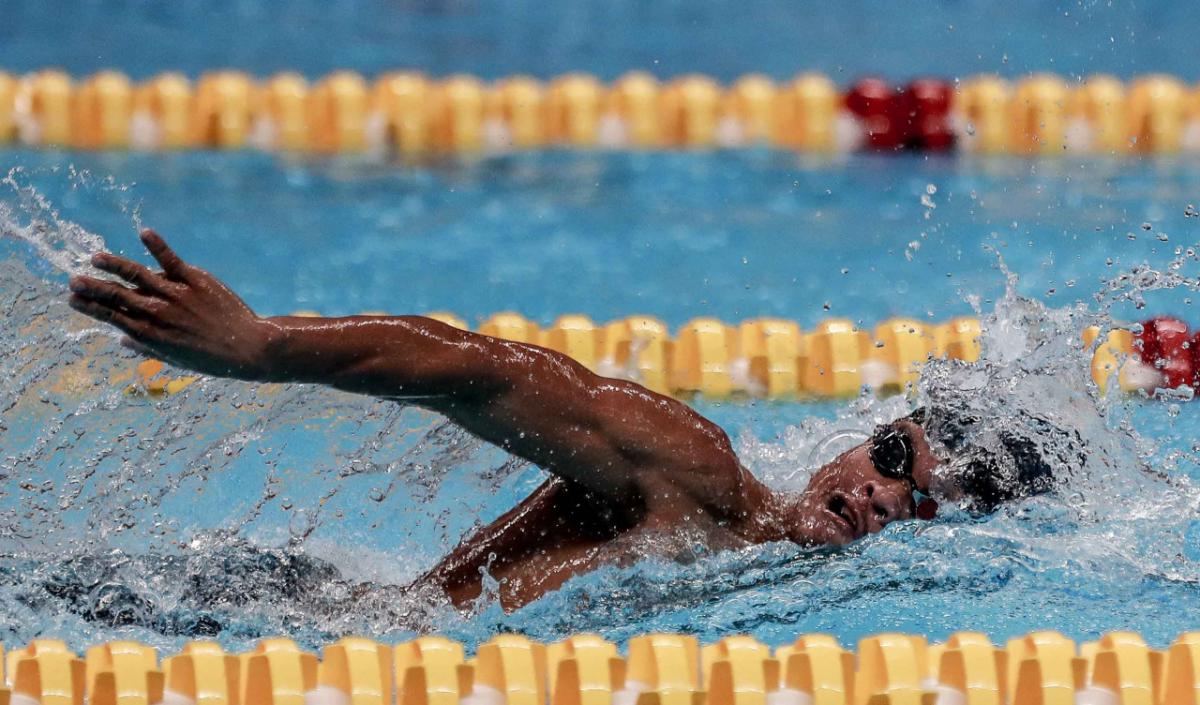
<point x="586" y="669"/>
<point x="762" y="357"/>
<point x="344" y="112"/>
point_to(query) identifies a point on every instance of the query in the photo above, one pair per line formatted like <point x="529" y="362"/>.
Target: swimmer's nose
<point x="887" y="503"/>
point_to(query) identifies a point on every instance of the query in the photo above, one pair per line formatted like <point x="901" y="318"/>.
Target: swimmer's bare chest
<point x="560" y="531"/>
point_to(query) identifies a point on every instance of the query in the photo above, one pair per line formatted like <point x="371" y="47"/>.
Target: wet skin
<point x="625" y="463"/>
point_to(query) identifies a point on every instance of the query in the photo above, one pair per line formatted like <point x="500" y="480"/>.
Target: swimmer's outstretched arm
<point x="614" y="437"/>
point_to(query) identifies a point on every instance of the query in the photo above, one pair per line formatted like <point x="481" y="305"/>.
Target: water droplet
<point x="1191" y="541"/>
<point x="302" y="524"/>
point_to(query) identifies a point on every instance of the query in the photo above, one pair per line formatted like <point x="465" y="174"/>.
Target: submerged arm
<point x="611" y="436"/>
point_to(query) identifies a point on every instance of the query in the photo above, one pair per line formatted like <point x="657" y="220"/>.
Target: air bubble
<point x="303" y="523"/>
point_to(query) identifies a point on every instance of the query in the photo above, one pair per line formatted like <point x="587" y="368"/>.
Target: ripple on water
<point x="236" y="511"/>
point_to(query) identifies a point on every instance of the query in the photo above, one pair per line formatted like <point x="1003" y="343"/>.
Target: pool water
<point x="494" y="38"/>
<point x="239" y="511"/>
<point x="730" y="234"/>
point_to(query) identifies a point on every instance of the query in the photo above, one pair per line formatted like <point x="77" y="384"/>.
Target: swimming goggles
<point x="892" y="454"/>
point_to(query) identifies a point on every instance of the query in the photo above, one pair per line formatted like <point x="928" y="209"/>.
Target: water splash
<point x="1119" y="518"/>
<point x="238" y="510"/>
<point x="115" y="501"/>
<point x="26" y="214"/>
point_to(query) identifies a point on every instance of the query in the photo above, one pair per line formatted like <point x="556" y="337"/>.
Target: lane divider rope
<point x="773" y="358"/>
<point x="409" y="114"/>
<point x="585" y="669"/>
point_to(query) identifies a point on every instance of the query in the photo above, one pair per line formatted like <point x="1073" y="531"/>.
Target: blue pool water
<point x="675" y="235"/>
<point x="491" y="38"/>
<point x="149" y="518"/>
<point x="238" y="512"/>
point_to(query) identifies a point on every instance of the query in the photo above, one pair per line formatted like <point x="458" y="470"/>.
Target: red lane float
<point x="928" y="103"/>
<point x="915" y="117"/>
<point x="1165" y="345"/>
<point x="880" y="111"/>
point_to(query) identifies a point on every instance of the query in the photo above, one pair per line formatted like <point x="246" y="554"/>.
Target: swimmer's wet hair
<point x="1016" y="466"/>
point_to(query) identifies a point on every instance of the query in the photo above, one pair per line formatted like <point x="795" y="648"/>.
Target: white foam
<point x="1095" y="695"/>
<point x="483" y="695"/>
<point x="730" y="132"/>
<point x="1136" y="374"/>
<point x="629" y="694"/>
<point x="171" y="697"/>
<point x="1078" y="136"/>
<point x="612" y="133"/>
<point x="326" y="695"/>
<point x="849" y="133"/>
<point x="264" y="134"/>
<point x="144" y="131"/>
<point x="1191" y="136"/>
<point x="376" y="129"/>
<point x="789" y="696"/>
<point x="497" y="139"/>
<point x="877" y="373"/>
<point x="945" y="695"/>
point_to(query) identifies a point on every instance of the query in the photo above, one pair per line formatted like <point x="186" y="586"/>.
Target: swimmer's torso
<point x="562" y="530"/>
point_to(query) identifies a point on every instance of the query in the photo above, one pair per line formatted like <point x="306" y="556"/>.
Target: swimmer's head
<point x="988" y="464"/>
<point x="911" y="464"/>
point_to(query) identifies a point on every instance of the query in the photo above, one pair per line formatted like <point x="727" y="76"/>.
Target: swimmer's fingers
<point x="139" y="348"/>
<point x="106" y="314"/>
<point x="132" y="272"/>
<point x="113" y="295"/>
<point x="174" y="267"/>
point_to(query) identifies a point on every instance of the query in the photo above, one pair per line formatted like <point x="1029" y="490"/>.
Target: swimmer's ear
<point x="172" y="265"/>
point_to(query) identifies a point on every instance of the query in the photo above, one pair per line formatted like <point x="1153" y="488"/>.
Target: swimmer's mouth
<point x="840" y="509"/>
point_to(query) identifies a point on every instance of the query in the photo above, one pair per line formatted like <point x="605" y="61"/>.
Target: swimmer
<point x="625" y="463"/>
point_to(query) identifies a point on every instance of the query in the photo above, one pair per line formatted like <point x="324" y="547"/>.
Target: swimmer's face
<point x="866" y="488"/>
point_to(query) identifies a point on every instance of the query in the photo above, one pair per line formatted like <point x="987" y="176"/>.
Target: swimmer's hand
<point x="182" y="315"/>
